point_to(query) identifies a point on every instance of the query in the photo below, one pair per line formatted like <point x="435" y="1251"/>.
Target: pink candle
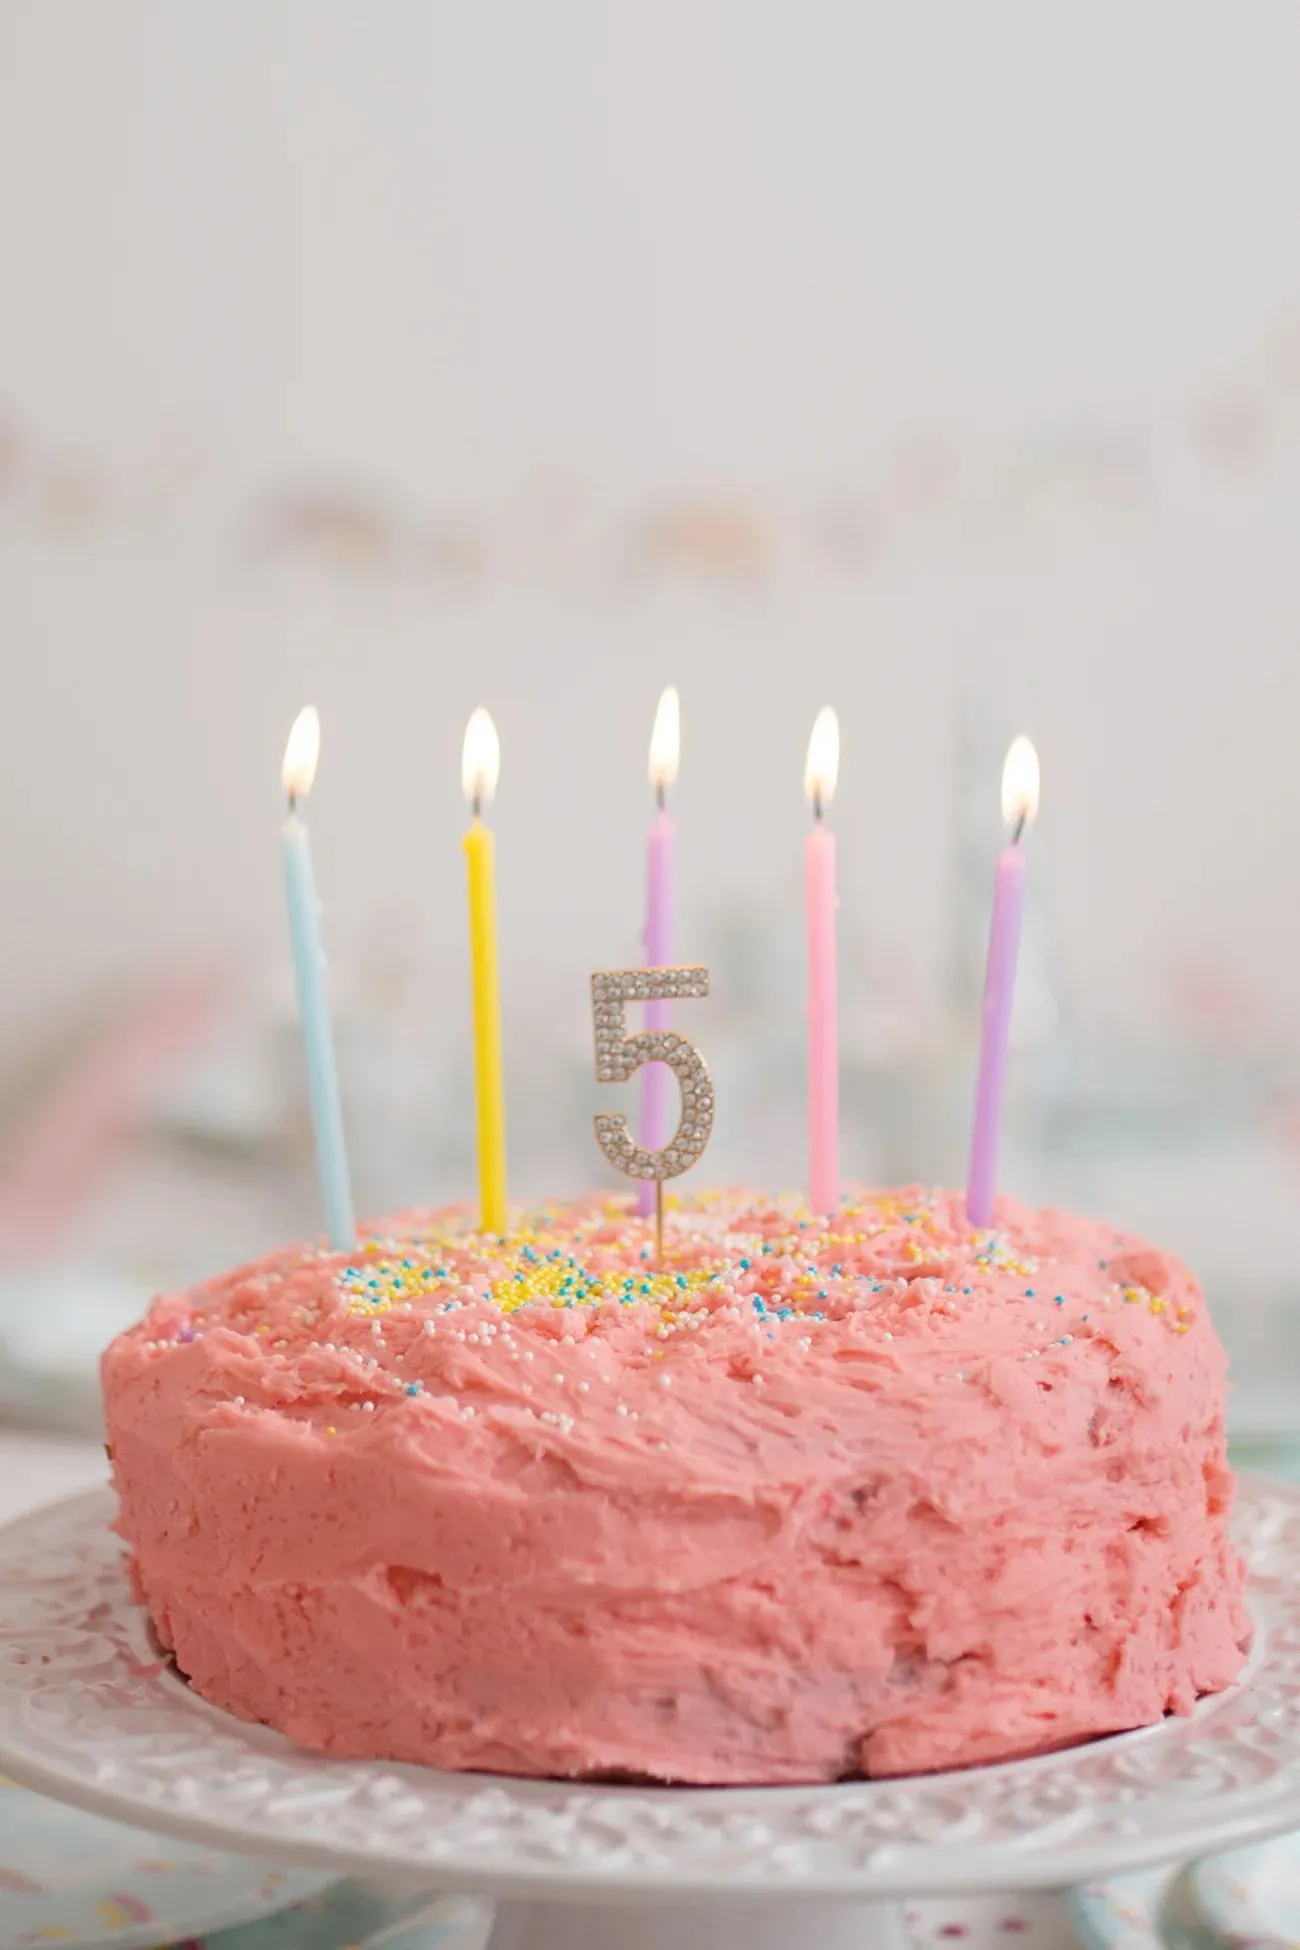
<point x="821" y="902"/>
<point x="661" y="867"/>
<point x="1019" y="804"/>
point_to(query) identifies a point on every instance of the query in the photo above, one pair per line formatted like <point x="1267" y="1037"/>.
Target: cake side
<point x="873" y="1495"/>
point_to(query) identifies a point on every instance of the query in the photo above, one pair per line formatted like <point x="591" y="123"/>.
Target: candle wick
<point x="661" y="795"/>
<point x="1017" y="831"/>
<point x="818" y="808"/>
<point x="476" y="803"/>
<point x="293" y="802"/>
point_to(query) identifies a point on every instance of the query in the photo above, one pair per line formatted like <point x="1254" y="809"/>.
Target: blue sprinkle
<point x="744" y="1264"/>
<point x="1060" y="1299"/>
<point x="414" y="1387"/>
<point x="1029" y="1293"/>
<point x="965" y="1289"/>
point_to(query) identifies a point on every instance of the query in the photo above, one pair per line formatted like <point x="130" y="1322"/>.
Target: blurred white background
<point x="940" y="363"/>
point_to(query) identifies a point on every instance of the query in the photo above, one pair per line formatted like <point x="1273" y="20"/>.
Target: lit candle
<point x="480" y="764"/>
<point x="661" y="867"/>
<point x="1019" y="805"/>
<point x="300" y="756"/>
<point x="821" y="901"/>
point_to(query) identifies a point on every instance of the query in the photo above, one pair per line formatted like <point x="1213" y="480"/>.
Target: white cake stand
<point x="89" y="1713"/>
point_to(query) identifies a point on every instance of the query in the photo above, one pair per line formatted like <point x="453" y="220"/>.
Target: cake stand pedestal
<point x="91" y="1714"/>
<point x="710" y="1926"/>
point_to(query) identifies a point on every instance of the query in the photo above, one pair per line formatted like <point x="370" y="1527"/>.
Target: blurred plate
<point x="87" y="1884"/>
<point x="1251" y="1892"/>
<point x="55" y="1322"/>
<point x="351" y="1915"/>
<point x="1120" y="1914"/>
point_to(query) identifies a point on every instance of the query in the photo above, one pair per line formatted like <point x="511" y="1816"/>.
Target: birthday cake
<point x="818" y="1499"/>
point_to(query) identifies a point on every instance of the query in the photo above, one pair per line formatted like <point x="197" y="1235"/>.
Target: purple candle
<point x="661" y="867"/>
<point x="820" y="903"/>
<point x="1019" y="805"/>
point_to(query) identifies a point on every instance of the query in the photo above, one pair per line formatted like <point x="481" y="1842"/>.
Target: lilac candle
<point x="1019" y="805"/>
<point x="820" y="903"/>
<point x="657" y="938"/>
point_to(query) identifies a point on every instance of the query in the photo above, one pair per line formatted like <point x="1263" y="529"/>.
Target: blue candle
<point x="300" y="756"/>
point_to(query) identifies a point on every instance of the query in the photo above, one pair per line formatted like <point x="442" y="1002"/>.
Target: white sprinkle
<point x="583" y="1387"/>
<point x="620" y="1408"/>
<point x="665" y="1381"/>
<point x="528" y="1354"/>
<point x="367" y="1408"/>
<point x="559" y="1381"/>
<point x="757" y="1380"/>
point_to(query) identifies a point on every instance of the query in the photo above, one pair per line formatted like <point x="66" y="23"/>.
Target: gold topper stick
<point x="619" y="1056"/>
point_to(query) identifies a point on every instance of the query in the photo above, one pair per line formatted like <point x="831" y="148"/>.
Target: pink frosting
<point x="865" y="1495"/>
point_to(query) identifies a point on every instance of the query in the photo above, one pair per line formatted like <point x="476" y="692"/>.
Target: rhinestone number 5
<point x="619" y="1056"/>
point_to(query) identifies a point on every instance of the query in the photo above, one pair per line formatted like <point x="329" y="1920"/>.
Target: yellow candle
<point x="479" y="767"/>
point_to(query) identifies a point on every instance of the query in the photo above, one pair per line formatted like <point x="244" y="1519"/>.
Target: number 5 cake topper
<point x="619" y="1056"/>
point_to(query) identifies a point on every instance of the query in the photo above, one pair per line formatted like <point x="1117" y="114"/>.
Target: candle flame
<point x="666" y="741"/>
<point x="480" y="764"/>
<point x="822" y="769"/>
<point x="1020" y="784"/>
<point x="301" y="754"/>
